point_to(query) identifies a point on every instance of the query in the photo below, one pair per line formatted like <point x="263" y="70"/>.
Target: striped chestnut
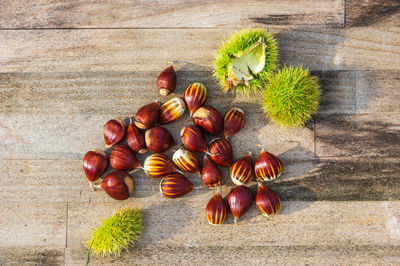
<point x="210" y="174"/>
<point x="135" y="139"/>
<point x="114" y="132"/>
<point x="158" y="139"/>
<point x="233" y="121"/>
<point x="94" y="164"/>
<point x="216" y="210"/>
<point x="158" y="165"/>
<point x="193" y="139"/>
<point x="171" y="110"/>
<point x="267" y="201"/>
<point x="195" y="96"/>
<point x="240" y="199"/>
<point x="166" y="81"/>
<point x="147" y="116"/>
<point x="123" y="158"/>
<point x="186" y="161"/>
<point x="267" y="167"/>
<point x="118" y="185"/>
<point x="175" y="185"/>
<point x="220" y="151"/>
<point x="242" y="171"/>
<point x="209" y="119"/>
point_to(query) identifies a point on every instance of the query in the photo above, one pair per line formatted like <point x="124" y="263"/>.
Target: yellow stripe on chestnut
<point x="267" y="167"/>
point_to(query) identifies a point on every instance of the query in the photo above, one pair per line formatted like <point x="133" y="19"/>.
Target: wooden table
<point x="66" y="67"/>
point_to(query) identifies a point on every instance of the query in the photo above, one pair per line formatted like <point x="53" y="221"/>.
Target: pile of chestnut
<point x="156" y="139"/>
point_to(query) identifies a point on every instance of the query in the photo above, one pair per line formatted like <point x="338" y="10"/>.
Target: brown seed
<point x="118" y="185"/>
<point x="216" y="210"/>
<point x="209" y="119"/>
<point x="114" y="132"/>
<point x="267" y="201"/>
<point x="186" y="161"/>
<point x="210" y="173"/>
<point x="220" y="151"/>
<point x="267" y="167"/>
<point x="94" y="164"/>
<point x="147" y="116"/>
<point x="240" y="199"/>
<point x="158" y="139"/>
<point x="158" y="165"/>
<point x="175" y="185"/>
<point x="242" y="171"/>
<point x="193" y="139"/>
<point x="135" y="139"/>
<point x="171" y="110"/>
<point x="166" y="81"/>
<point x="123" y="158"/>
<point x="195" y="96"/>
<point x="233" y="121"/>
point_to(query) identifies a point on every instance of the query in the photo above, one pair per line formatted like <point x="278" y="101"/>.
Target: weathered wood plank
<point x="178" y="13"/>
<point x="297" y="255"/>
<point x="335" y="180"/>
<point x="378" y="91"/>
<point x="370" y="13"/>
<point x="32" y="256"/>
<point x="370" y="134"/>
<point x="338" y="91"/>
<point x="148" y="49"/>
<point x="69" y="113"/>
<point x="25" y="224"/>
<point x="180" y="224"/>
<point x="243" y="255"/>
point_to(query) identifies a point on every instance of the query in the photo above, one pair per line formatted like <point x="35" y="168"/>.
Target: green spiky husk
<point x="240" y="41"/>
<point x="116" y="233"/>
<point x="291" y="96"/>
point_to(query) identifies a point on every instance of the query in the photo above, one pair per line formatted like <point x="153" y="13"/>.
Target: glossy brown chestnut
<point x="114" y="132"/>
<point x="267" y="201"/>
<point x="209" y="119"/>
<point x="147" y="116"/>
<point x="193" y="139"/>
<point x="171" y="110"/>
<point x="240" y="199"/>
<point x="158" y="139"/>
<point x="267" y="167"/>
<point x="123" y="158"/>
<point x="210" y="173"/>
<point x="186" y="161"/>
<point x="216" y="210"/>
<point x="242" y="170"/>
<point x="175" y="185"/>
<point x="195" y="96"/>
<point x="233" y="121"/>
<point x="220" y="151"/>
<point x="158" y="165"/>
<point x="166" y="81"/>
<point x="135" y="139"/>
<point x="94" y="164"/>
<point x="118" y="185"/>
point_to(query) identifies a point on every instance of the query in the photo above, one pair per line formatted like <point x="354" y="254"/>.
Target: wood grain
<point x="216" y="255"/>
<point x="371" y="134"/>
<point x="33" y="224"/>
<point x="369" y="13"/>
<point x="378" y="91"/>
<point x="48" y="256"/>
<point x="326" y="225"/>
<point x="70" y="113"/>
<point x="147" y="49"/>
<point x="310" y="180"/>
<point x="166" y="14"/>
<point x="338" y="91"/>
